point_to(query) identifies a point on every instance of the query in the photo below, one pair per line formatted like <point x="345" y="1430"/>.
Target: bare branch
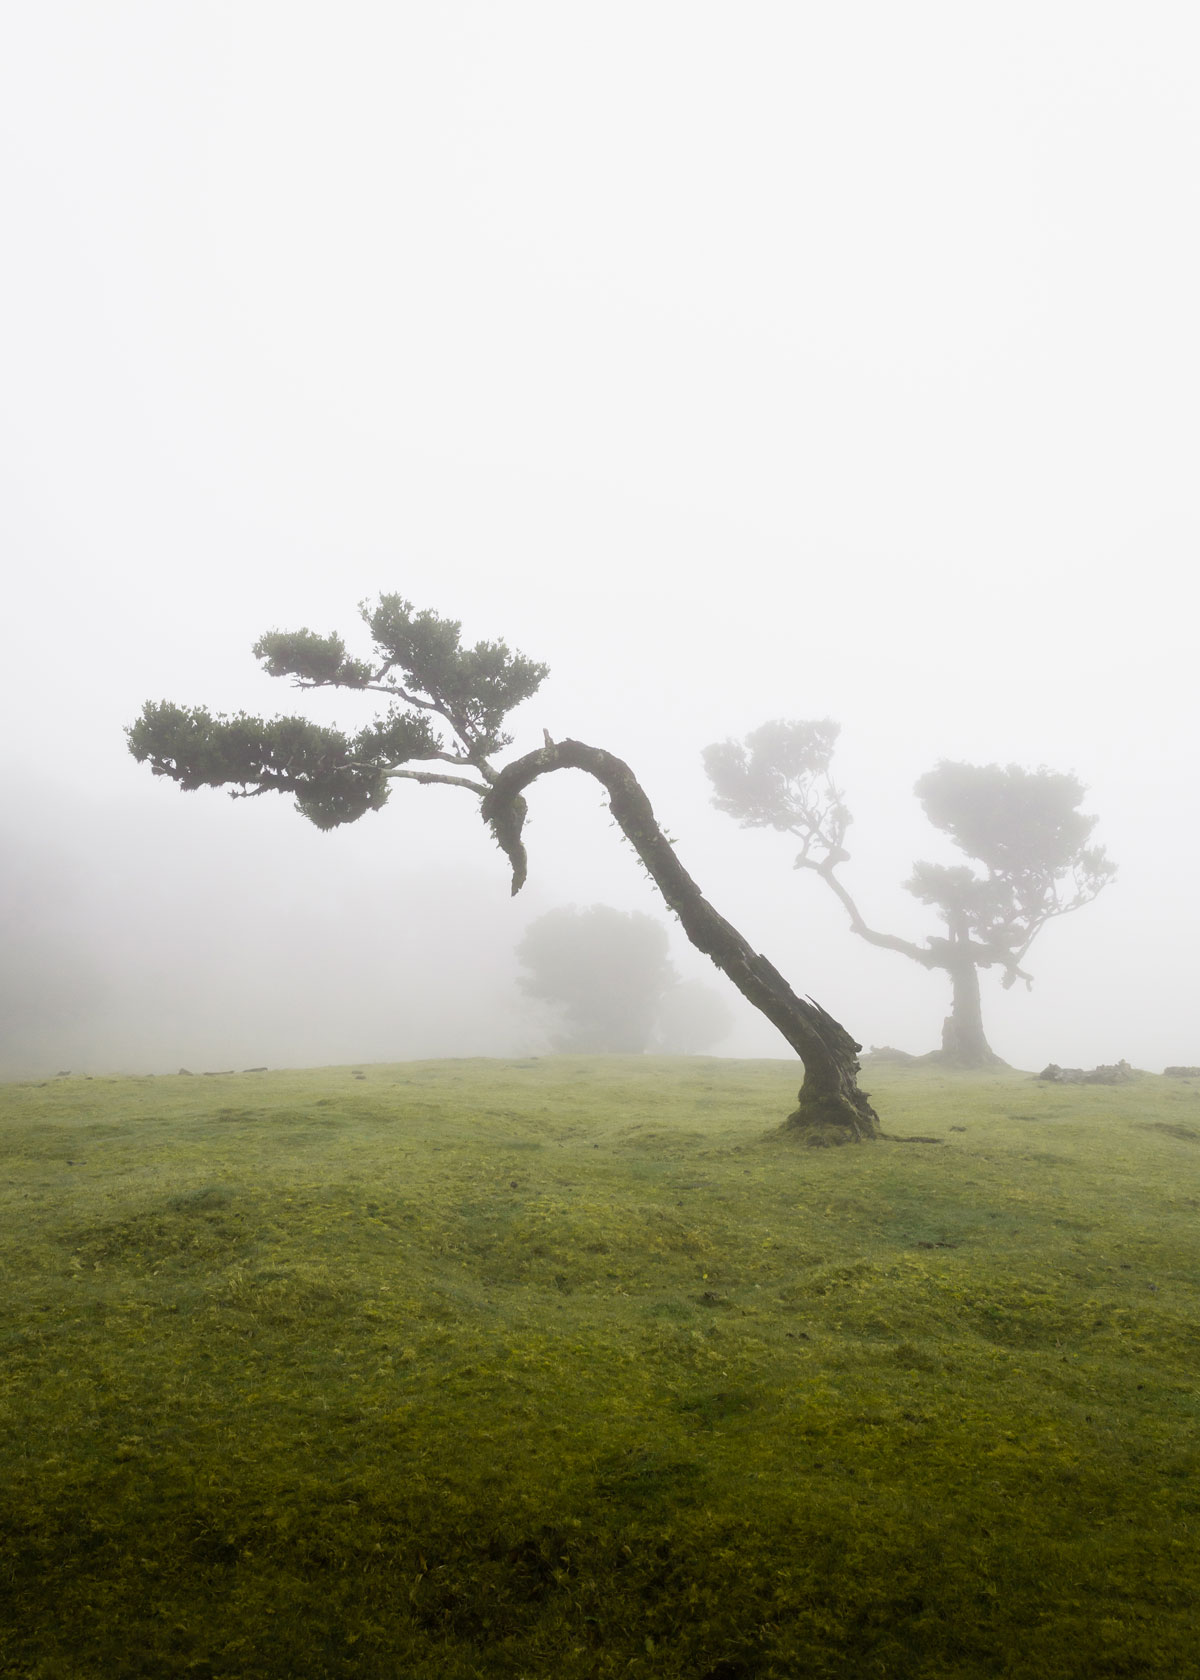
<point x="888" y="941"/>
<point x="430" y="777"/>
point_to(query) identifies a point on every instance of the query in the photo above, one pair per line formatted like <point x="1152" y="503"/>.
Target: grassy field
<point x="574" y="1368"/>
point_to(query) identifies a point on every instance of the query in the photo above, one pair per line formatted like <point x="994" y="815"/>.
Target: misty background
<point x="745" y="362"/>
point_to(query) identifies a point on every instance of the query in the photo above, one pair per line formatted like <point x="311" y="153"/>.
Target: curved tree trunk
<point x="831" y="1109"/>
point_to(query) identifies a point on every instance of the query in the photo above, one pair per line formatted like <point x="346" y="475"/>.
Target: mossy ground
<point x="578" y="1368"/>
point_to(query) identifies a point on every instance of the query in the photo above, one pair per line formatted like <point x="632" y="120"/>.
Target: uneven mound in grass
<point x="579" y="1368"/>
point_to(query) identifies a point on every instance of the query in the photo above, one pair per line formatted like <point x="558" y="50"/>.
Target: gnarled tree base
<point x="827" y="1119"/>
<point x="965" y="1063"/>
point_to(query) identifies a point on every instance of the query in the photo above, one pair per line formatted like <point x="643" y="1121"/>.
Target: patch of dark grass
<point x="1188" y="1134"/>
<point x="200" y="1227"/>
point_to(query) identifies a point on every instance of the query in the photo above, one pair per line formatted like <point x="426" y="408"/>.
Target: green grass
<point x="573" y="1368"/>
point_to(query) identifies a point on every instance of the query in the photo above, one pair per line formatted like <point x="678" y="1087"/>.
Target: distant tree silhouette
<point x="1023" y="826"/>
<point x="605" y="970"/>
<point x="443" y="724"/>
<point x="692" y="1018"/>
<point x="608" y="975"/>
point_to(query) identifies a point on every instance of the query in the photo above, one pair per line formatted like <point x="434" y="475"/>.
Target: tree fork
<point x="831" y="1108"/>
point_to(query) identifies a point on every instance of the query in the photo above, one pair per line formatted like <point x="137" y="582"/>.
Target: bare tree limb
<point x="888" y="941"/>
<point x="430" y="777"/>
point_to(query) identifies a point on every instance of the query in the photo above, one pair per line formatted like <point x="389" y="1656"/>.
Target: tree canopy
<point x="432" y="683"/>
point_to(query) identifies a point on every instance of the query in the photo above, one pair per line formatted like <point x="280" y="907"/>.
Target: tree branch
<point x="888" y="941"/>
<point x="429" y="777"/>
<point x="392" y="689"/>
<point x="460" y="726"/>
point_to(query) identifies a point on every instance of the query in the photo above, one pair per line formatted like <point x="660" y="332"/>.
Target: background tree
<point x="1023" y="826"/>
<point x="692" y="1018"/>
<point x="446" y="705"/>
<point x="607" y="972"/>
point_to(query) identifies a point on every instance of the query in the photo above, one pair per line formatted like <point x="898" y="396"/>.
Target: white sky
<point x="740" y="361"/>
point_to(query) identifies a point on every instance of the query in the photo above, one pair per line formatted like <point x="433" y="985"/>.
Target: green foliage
<point x="1026" y="828"/>
<point x="336" y="777"/>
<point x="780" y="777"/>
<point x="475" y="687"/>
<point x="313" y="660"/>
<point x="285" y="755"/>
<point x="954" y="888"/>
<point x="575" y="1370"/>
<point x="606" y="970"/>
<point x="397" y="738"/>
<point x="1012" y="820"/>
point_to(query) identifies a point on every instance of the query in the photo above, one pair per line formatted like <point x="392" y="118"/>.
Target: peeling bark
<point x="831" y="1107"/>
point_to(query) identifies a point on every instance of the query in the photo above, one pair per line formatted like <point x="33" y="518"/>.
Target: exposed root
<point x="828" y="1122"/>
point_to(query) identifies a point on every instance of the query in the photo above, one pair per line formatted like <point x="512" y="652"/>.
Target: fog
<point x="740" y="363"/>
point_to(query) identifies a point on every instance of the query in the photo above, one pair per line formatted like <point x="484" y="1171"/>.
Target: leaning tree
<point x="442" y="725"/>
<point x="1023" y="826"/>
